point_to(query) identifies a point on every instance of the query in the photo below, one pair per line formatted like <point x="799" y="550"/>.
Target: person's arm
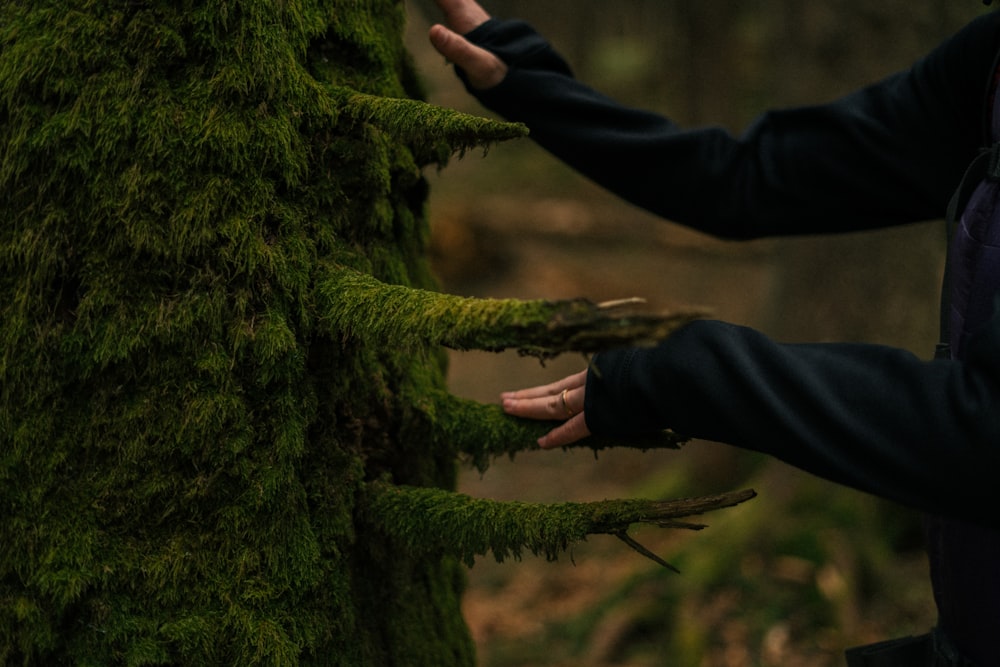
<point x="926" y="434"/>
<point x="876" y="418"/>
<point x="890" y="153"/>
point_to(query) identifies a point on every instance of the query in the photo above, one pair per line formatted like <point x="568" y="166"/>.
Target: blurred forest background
<point x="806" y="569"/>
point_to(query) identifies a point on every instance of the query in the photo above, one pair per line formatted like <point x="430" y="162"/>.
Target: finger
<point x="482" y="68"/>
<point x="542" y="407"/>
<point x="566" y="434"/>
<point x="563" y="405"/>
<point x="462" y="15"/>
<point x="571" y="382"/>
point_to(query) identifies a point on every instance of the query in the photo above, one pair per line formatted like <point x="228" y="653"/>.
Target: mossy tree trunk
<point x="221" y="369"/>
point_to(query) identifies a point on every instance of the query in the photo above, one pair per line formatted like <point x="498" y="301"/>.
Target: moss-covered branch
<point x="433" y="133"/>
<point x="357" y="305"/>
<point x="437" y="521"/>
<point x="483" y="432"/>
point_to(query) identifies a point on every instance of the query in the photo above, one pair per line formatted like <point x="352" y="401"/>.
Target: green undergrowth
<point x="797" y="576"/>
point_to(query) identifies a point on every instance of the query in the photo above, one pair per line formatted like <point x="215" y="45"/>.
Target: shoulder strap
<point x="986" y="165"/>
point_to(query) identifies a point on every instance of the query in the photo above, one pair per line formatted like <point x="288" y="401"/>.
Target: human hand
<point x="482" y="69"/>
<point x="561" y="400"/>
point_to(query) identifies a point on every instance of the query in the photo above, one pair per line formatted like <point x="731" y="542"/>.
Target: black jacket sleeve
<point x="890" y="153"/>
<point x="923" y="433"/>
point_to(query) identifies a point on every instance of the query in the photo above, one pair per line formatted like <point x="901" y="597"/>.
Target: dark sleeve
<point x="926" y="434"/>
<point x="890" y="153"/>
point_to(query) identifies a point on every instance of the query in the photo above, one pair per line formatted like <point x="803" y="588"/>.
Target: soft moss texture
<point x="422" y="520"/>
<point x="405" y="317"/>
<point x="197" y="389"/>
<point x="180" y="449"/>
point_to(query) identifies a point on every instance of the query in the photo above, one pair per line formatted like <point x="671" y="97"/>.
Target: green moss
<point x="437" y="521"/>
<point x="433" y="133"/>
<point x="181" y="448"/>
<point x="401" y="316"/>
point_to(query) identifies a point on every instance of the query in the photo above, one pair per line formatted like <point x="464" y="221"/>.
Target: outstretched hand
<point x="482" y="69"/>
<point x="561" y="400"/>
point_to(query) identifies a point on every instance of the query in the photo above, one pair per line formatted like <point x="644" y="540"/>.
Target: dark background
<point x="805" y="569"/>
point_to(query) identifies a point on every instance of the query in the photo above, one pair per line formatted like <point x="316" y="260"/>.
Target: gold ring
<point x="569" y="410"/>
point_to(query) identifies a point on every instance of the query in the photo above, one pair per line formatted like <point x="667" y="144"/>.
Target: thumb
<point x="482" y="68"/>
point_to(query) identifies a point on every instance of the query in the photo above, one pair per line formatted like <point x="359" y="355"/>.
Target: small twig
<point x="680" y="524"/>
<point x="624" y="537"/>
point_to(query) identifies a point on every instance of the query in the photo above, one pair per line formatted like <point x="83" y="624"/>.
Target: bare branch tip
<point x="627" y="539"/>
<point x="621" y="303"/>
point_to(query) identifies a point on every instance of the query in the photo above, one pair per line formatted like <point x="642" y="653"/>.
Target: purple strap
<point x="965" y="558"/>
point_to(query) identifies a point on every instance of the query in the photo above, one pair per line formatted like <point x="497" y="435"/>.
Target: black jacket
<point x="924" y="433"/>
